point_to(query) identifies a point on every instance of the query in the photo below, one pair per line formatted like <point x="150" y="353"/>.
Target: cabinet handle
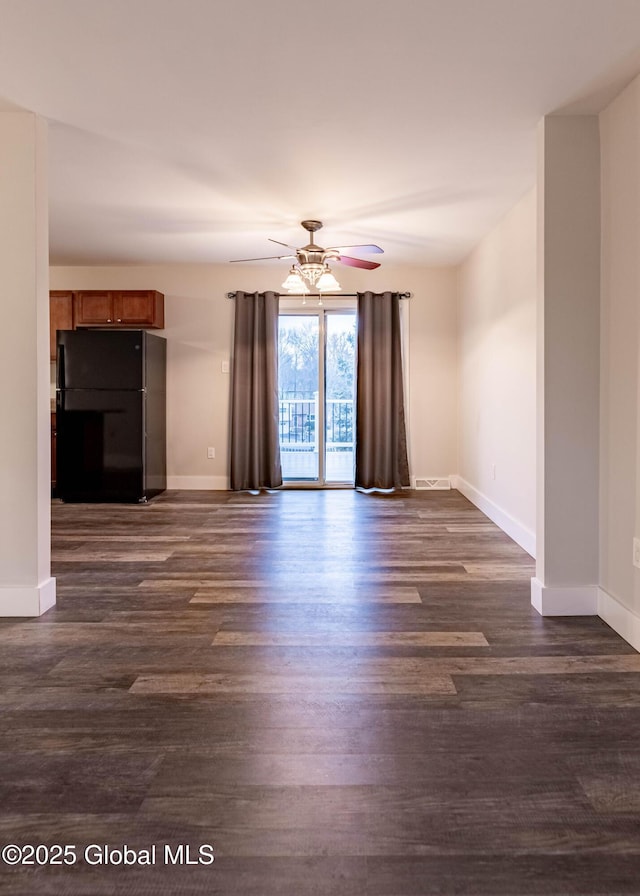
<point x="109" y="320"/>
<point x="119" y="320"/>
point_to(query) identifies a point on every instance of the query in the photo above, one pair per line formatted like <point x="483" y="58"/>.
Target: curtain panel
<point x="381" y="442"/>
<point x="255" y="446"/>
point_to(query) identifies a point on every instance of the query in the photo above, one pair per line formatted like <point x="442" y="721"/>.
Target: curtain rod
<point x="323" y="295"/>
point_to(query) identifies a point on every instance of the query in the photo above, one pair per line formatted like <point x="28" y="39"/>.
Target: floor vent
<point x="432" y="483"/>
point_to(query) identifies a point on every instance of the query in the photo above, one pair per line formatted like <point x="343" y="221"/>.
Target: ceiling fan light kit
<point x="311" y="270"/>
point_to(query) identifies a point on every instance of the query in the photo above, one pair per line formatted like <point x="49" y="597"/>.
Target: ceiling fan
<point x="311" y="266"/>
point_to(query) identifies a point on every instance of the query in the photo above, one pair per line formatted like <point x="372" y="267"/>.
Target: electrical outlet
<point x="211" y="453"/>
<point x="636" y="552"/>
<point x="493" y="471"/>
<point x="225" y="367"/>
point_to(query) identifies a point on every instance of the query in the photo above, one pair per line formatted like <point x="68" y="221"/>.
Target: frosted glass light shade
<point x="294" y="282"/>
<point x="327" y="282"/>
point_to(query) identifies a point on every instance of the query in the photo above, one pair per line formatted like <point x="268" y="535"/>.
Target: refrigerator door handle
<point x="60" y="367"/>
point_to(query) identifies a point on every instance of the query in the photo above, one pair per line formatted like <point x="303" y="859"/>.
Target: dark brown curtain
<point x="255" y="446"/>
<point x="381" y="442"/>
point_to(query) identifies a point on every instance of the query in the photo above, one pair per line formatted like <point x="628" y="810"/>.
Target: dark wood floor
<point x="343" y="694"/>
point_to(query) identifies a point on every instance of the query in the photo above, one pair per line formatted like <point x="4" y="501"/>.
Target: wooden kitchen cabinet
<point x="60" y="316"/>
<point x="93" y="308"/>
<point x="142" y="308"/>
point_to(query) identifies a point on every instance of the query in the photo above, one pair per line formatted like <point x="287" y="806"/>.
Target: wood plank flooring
<point x="344" y="694"/>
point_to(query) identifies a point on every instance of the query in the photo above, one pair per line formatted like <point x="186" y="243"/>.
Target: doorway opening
<point x="316" y="377"/>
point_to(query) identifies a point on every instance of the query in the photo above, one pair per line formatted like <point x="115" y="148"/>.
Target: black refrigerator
<point x="110" y="415"/>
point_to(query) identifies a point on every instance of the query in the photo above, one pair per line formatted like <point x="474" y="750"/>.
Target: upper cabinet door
<point x="60" y="317"/>
<point x="139" y="308"/>
<point x="93" y="308"/>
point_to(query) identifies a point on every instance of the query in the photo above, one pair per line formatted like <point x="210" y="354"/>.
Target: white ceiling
<point x="192" y="130"/>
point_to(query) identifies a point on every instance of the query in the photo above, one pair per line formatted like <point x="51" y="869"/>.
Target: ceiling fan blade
<point x="358" y="262"/>
<point x="282" y="244"/>
<point x="263" y="258"/>
<point x="367" y="248"/>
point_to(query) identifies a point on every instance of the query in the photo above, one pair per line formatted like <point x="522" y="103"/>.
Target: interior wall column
<point x="568" y="366"/>
<point x="26" y="586"/>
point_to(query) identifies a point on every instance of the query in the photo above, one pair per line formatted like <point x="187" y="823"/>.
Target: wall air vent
<point x="433" y="484"/>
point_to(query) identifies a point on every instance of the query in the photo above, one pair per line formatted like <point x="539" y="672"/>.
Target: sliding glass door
<point x="317" y="389"/>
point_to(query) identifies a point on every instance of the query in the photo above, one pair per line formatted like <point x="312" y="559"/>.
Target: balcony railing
<point x="298" y="418"/>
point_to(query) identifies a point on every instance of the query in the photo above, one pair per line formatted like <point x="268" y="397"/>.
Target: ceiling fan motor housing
<point x="311" y="255"/>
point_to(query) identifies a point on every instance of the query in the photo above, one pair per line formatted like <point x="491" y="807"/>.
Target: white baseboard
<point x="587" y="601"/>
<point x="514" y="529"/>
<point x="199" y="483"/>
<point x="621" y="619"/>
<point x="576" y="600"/>
<point x="28" y="601"/>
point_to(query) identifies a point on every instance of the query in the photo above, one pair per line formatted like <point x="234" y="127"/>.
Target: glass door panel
<point x="298" y="360"/>
<point x="340" y="350"/>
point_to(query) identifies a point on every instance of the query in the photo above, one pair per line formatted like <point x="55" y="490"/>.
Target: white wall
<point x="26" y="586"/>
<point x="620" y="363"/>
<point x="433" y="373"/>
<point x="497" y="395"/>
<point x="199" y="327"/>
